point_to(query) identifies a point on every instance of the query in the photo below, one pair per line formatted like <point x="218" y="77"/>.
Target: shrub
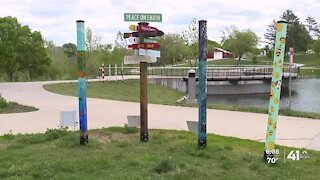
<point x="3" y="102"/>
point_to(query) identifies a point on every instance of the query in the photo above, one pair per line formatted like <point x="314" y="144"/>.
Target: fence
<point x="212" y="72"/>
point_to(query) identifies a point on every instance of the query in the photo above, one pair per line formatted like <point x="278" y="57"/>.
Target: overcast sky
<point x="56" y="18"/>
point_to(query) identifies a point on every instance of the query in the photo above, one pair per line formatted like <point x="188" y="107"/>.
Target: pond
<point x="305" y="97"/>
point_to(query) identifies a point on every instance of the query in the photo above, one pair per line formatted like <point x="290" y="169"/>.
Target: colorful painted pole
<point x="276" y="81"/>
<point x="82" y="89"/>
<point x="202" y="98"/>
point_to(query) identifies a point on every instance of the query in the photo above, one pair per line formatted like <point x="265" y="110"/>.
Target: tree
<point x="173" y="49"/>
<point x="270" y="35"/>
<point x="93" y="41"/>
<point x="21" y="49"/>
<point x="297" y="34"/>
<point x="212" y="44"/>
<point x="35" y="60"/>
<point x="9" y="52"/>
<point x="312" y="27"/>
<point x="316" y="46"/>
<point x="241" y="42"/>
<point x="120" y="41"/>
<point x="70" y="50"/>
<point x="191" y="36"/>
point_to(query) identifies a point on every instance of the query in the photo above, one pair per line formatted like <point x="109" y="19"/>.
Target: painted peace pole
<point x="82" y="89"/>
<point x="275" y="87"/>
<point x="202" y="122"/>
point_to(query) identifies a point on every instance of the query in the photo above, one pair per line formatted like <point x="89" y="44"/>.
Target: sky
<point x="56" y="19"/>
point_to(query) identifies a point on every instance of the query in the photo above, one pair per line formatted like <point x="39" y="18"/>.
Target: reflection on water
<point x="305" y="97"/>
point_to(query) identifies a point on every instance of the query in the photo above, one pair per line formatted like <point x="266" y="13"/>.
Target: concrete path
<point x="295" y="132"/>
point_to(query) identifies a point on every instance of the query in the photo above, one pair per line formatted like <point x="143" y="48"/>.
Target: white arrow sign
<point x="134" y="40"/>
<point x="148" y="52"/>
<point x="137" y="59"/>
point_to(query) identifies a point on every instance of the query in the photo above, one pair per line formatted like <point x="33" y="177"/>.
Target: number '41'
<point x="294" y="155"/>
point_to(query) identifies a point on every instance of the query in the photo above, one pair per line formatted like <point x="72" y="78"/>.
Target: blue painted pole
<point x="82" y="88"/>
<point x="202" y="97"/>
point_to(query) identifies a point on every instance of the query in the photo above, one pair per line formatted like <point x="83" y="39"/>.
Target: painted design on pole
<point x="82" y="89"/>
<point x="276" y="86"/>
<point x="202" y="97"/>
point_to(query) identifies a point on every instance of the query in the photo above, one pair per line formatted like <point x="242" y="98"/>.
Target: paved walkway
<point x="296" y="132"/>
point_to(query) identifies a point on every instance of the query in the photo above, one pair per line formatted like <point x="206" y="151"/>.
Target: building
<point x="218" y="53"/>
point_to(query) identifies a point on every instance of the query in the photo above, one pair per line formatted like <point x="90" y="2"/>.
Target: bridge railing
<point x="212" y="72"/>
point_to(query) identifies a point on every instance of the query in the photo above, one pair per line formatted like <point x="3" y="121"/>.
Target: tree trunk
<point x="239" y="60"/>
<point x="10" y="76"/>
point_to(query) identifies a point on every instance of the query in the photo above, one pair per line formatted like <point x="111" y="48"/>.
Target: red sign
<point x="145" y="46"/>
<point x="144" y="28"/>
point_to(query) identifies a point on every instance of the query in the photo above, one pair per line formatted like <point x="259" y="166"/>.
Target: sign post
<point x="202" y="124"/>
<point x="145" y="52"/>
<point x="82" y="88"/>
<point x="275" y="90"/>
<point x="290" y="73"/>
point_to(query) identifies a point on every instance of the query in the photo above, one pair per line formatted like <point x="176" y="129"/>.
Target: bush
<point x="3" y="102"/>
<point x="255" y="60"/>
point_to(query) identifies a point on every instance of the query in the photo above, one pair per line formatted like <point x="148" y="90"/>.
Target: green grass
<point x="284" y="112"/>
<point x="234" y="62"/>
<point x="310" y="72"/>
<point x="12" y="107"/>
<point x="115" y="153"/>
<point x="128" y="90"/>
<point x="309" y="60"/>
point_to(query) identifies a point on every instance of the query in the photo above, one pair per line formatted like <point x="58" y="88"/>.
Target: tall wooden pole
<point x="143" y="101"/>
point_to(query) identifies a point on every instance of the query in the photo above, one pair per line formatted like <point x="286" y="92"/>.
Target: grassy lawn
<point x="234" y="62"/>
<point x="310" y="60"/>
<point x="117" y="153"/>
<point x="128" y="90"/>
<point x="310" y="72"/>
<point x="12" y="107"/>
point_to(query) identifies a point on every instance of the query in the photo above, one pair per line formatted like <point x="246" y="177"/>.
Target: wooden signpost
<point x="146" y="52"/>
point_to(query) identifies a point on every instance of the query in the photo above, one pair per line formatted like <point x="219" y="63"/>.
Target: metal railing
<point x="219" y="72"/>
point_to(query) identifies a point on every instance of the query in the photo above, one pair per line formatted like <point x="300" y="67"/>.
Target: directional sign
<point x="134" y="40"/>
<point x="133" y="27"/>
<point x="143" y="34"/>
<point x="143" y="17"/>
<point x="145" y="46"/>
<point x="146" y="40"/>
<point x="147" y="52"/>
<point x="135" y="59"/>
<point x="143" y="28"/>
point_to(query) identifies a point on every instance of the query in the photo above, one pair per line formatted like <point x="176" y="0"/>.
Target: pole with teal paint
<point x="202" y="97"/>
<point x="82" y="89"/>
<point x="275" y="91"/>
